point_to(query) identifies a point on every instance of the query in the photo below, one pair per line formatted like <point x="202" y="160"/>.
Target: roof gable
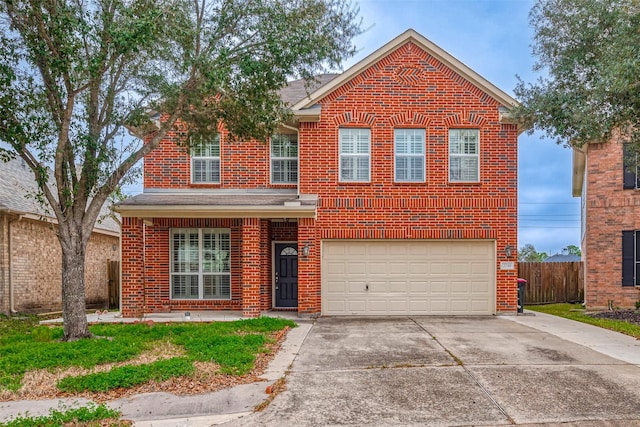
<point x="422" y="42"/>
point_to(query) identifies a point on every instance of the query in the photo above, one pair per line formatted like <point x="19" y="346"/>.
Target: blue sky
<point x="494" y="38"/>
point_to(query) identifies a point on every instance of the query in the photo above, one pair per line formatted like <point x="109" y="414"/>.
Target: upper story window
<point x="464" y="157"/>
<point x="355" y="148"/>
<point x="284" y="159"/>
<point x="631" y="167"/>
<point x="205" y="161"/>
<point x="409" y="150"/>
<point x="200" y="263"/>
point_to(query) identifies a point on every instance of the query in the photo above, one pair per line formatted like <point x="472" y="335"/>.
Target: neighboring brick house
<point x="610" y="211"/>
<point x="30" y="253"/>
<point x="392" y="192"/>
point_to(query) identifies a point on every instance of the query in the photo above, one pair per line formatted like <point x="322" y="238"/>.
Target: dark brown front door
<point x="286" y="275"/>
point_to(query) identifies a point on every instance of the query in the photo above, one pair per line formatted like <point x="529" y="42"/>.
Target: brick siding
<point x="36" y="262"/>
<point x="406" y="89"/>
<point x="610" y="210"/>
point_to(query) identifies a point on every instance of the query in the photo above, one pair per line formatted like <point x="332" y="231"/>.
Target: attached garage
<point x="408" y="277"/>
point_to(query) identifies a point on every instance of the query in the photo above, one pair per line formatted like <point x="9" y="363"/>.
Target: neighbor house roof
<point x="563" y="258"/>
<point x="18" y="189"/>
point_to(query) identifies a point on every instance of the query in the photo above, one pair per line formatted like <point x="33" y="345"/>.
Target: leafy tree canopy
<point x="74" y="74"/>
<point x="591" y="52"/>
<point x="572" y="250"/>
<point x="528" y="253"/>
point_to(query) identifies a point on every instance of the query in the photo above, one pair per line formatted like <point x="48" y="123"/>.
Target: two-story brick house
<point x="606" y="178"/>
<point x="393" y="191"/>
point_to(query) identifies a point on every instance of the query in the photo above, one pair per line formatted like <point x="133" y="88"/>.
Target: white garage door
<point x="391" y="277"/>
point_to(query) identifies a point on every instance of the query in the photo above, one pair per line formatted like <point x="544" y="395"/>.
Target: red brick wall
<point x="410" y="89"/>
<point x="437" y="99"/>
<point x="243" y="165"/>
<point x="610" y="210"/>
<point x="132" y="267"/>
<point x="251" y="267"/>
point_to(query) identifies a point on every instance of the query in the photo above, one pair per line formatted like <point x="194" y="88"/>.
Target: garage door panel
<point x="436" y="268"/>
<point x="408" y="277"/>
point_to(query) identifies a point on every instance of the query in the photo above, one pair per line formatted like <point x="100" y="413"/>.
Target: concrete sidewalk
<point x="610" y="343"/>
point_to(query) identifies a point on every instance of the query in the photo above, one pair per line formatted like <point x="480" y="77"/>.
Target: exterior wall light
<point x="508" y="250"/>
<point x="305" y="250"/>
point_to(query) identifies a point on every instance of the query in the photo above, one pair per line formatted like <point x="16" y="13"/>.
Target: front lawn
<point x="126" y="358"/>
<point x="578" y="313"/>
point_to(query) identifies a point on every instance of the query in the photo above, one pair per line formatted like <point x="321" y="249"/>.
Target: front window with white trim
<point x="284" y="159"/>
<point x="464" y="155"/>
<point x="354" y="155"/>
<point x="205" y="161"/>
<point x="200" y="263"/>
<point x="409" y="149"/>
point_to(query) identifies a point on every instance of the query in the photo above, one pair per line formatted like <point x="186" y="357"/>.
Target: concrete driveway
<point x="450" y="372"/>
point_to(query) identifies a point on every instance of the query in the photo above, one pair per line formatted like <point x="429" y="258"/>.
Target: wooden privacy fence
<point x="551" y="282"/>
<point x="113" y="274"/>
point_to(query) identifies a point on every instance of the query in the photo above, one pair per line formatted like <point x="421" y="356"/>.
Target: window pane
<point x="210" y="148"/>
<point x="354" y="154"/>
<point x="217" y="286"/>
<point x="346" y="169"/>
<point x="409" y="154"/>
<point x="206" y="170"/>
<point x="185" y="252"/>
<point x="464" y="148"/>
<point x="184" y="286"/>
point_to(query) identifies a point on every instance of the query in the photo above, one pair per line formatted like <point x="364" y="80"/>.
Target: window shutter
<point x="628" y="258"/>
<point x="630" y="167"/>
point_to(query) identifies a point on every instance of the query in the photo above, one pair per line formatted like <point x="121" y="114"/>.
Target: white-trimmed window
<point x="200" y="263"/>
<point x="205" y="161"/>
<point x="409" y="150"/>
<point x="355" y="155"/>
<point x="464" y="157"/>
<point x="284" y="159"/>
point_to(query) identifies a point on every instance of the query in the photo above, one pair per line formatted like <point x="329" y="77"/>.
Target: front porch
<point x="249" y="264"/>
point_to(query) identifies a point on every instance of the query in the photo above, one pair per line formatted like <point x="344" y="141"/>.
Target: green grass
<point x="577" y="312"/>
<point x="25" y="346"/>
<point x="85" y="416"/>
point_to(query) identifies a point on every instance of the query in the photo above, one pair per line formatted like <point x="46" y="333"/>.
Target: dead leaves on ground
<point x="41" y="383"/>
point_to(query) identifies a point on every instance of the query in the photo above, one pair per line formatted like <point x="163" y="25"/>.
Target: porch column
<point x="309" y="295"/>
<point x="250" y="267"/>
<point x="132" y="266"/>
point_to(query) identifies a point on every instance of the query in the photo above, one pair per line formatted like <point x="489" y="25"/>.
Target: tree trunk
<point x="73" y="295"/>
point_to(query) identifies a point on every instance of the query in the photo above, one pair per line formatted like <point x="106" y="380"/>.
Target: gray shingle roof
<point x="213" y="198"/>
<point x="18" y="189"/>
<point x="563" y="258"/>
<point x="295" y="90"/>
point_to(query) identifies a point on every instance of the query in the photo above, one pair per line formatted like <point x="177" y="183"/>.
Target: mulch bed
<point x="631" y="316"/>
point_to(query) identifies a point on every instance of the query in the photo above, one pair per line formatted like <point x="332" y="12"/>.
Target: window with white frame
<point x="284" y="159"/>
<point x="464" y="157"/>
<point x="409" y="150"/>
<point x="355" y="147"/>
<point x="200" y="263"/>
<point x="205" y="161"/>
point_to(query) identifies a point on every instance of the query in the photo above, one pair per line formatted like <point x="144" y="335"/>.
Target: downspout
<point x="297" y="131"/>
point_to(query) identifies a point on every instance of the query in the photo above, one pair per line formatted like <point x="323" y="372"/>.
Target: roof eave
<point x="197" y="211"/>
<point x="579" y="162"/>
